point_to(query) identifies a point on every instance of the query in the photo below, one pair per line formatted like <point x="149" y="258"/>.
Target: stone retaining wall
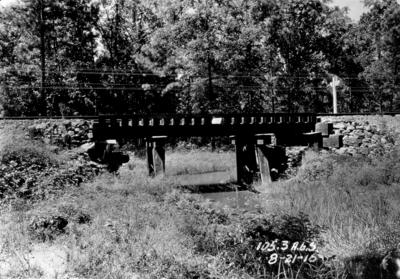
<point x="71" y="132"/>
<point x="366" y="135"/>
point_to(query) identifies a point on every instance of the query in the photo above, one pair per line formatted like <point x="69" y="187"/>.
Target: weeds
<point x="134" y="225"/>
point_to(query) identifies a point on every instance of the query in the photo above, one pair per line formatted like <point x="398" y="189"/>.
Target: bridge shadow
<point x="225" y="193"/>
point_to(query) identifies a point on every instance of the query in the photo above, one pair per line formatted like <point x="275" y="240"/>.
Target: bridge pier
<point x="155" y="154"/>
<point x="246" y="164"/>
<point x="263" y="155"/>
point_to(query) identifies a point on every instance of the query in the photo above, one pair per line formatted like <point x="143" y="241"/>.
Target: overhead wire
<point x="144" y="74"/>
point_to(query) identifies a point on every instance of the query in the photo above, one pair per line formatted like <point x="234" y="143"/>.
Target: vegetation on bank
<point x="134" y="225"/>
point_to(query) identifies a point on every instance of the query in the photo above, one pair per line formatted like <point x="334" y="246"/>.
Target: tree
<point x="58" y="36"/>
<point x="298" y="32"/>
<point x="379" y="52"/>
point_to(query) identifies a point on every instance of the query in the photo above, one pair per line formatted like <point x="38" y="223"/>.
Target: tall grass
<point x="142" y="227"/>
<point x="356" y="200"/>
<point x="195" y="162"/>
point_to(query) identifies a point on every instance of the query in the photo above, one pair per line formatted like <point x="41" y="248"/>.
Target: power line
<point x="97" y="71"/>
<point x="161" y="88"/>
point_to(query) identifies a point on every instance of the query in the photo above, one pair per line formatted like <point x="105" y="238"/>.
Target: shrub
<point x="46" y="222"/>
<point x="22" y="165"/>
<point x="316" y="166"/>
<point x="241" y="246"/>
<point x="29" y="170"/>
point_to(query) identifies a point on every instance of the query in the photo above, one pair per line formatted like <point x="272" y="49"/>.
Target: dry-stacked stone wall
<point x="365" y="135"/>
<point x="65" y="132"/>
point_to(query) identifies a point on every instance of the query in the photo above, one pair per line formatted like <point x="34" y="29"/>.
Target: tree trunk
<point x="43" y="60"/>
<point x="210" y="86"/>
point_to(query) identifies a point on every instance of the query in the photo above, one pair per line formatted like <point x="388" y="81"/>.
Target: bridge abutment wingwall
<point x="365" y="135"/>
<point x="72" y="132"/>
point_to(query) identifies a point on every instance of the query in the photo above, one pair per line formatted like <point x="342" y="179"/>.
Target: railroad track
<point x="92" y="117"/>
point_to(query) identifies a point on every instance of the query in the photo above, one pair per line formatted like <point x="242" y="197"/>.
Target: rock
<point x="350" y="128"/>
<point x="71" y="133"/>
<point x="340" y="125"/>
<point x="85" y="147"/>
<point x="364" y="151"/>
<point x="76" y="123"/>
<point x="67" y="124"/>
<point x="359" y="133"/>
<point x="368" y="134"/>
<point x="368" y="128"/>
<point x="354" y="141"/>
<point x="346" y="132"/>
<point x="376" y="137"/>
<point x="384" y="140"/>
<point x="388" y="146"/>
<point x="42" y="126"/>
<point x="341" y="151"/>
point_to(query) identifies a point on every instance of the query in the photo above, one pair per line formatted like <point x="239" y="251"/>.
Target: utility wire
<point x="236" y="75"/>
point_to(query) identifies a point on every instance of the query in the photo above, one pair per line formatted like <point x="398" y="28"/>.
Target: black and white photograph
<point x="199" y="139"/>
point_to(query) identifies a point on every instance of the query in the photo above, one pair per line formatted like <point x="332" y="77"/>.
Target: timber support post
<point x="246" y="162"/>
<point x="155" y="153"/>
<point x="263" y="154"/>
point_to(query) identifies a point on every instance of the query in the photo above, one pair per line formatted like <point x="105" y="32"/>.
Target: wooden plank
<point x="265" y="170"/>
<point x="334" y="141"/>
<point x="325" y="128"/>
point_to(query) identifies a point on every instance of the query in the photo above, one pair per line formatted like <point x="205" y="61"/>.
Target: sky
<point x="356" y="6"/>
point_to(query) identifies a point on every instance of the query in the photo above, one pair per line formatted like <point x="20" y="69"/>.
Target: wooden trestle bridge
<point x="251" y="133"/>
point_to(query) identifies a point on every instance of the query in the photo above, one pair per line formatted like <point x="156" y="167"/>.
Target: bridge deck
<point x="142" y="126"/>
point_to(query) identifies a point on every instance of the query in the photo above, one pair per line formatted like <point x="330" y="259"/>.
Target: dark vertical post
<point x="250" y="154"/>
<point x="149" y="155"/>
<point x="159" y="154"/>
<point x="240" y="164"/>
<point x="155" y="153"/>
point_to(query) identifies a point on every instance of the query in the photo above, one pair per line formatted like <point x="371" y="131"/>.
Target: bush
<point x="22" y="166"/>
<point x="46" y="222"/>
<point x="242" y="246"/>
<point x="316" y="166"/>
<point x="233" y="243"/>
<point x="30" y="171"/>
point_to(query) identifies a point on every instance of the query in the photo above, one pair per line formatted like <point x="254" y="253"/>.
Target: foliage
<point x="90" y="57"/>
<point x="315" y="166"/>
<point x="45" y="222"/>
<point x="30" y="171"/>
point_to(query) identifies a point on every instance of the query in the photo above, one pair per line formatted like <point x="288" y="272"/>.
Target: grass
<point x="357" y="201"/>
<point x="142" y="227"/>
<point x="196" y="162"/>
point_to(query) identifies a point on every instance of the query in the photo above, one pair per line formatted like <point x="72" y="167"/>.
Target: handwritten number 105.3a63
<point x="296" y="246"/>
